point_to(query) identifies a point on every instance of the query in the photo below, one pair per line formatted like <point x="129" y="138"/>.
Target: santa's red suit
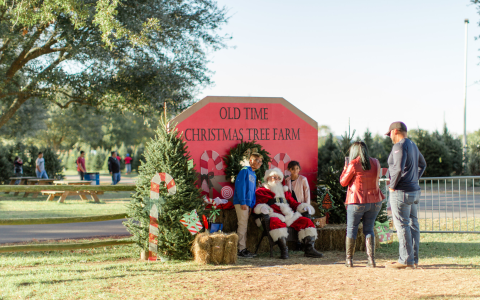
<point x="284" y="211"/>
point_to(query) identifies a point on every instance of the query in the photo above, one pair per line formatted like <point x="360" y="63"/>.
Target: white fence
<point x="447" y="204"/>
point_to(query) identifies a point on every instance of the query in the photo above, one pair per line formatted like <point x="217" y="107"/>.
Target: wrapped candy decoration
<point x="192" y="222"/>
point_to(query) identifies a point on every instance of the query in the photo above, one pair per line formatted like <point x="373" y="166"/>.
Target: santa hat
<point x="272" y="172"/>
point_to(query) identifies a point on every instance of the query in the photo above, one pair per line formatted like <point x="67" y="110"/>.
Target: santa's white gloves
<point x="305" y="207"/>
<point x="264" y="210"/>
<point x="219" y="201"/>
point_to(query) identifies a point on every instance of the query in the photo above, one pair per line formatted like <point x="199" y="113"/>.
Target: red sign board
<point x="215" y="124"/>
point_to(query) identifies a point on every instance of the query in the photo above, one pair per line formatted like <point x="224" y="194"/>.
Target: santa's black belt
<point x="276" y="200"/>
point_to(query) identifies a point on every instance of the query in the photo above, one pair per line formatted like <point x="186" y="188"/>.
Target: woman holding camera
<point x="364" y="199"/>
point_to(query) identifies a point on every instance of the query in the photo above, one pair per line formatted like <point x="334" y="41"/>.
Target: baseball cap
<point x="397" y="125"/>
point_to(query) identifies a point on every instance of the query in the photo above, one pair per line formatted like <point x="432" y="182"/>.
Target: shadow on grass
<point x="21" y="284"/>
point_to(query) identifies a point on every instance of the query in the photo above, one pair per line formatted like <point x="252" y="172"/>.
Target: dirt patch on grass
<point x="305" y="278"/>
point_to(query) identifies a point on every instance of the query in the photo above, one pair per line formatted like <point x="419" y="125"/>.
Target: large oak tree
<point x="115" y="54"/>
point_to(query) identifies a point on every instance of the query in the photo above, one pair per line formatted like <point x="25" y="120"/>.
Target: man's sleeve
<point x="241" y="186"/>
<point x="109" y="165"/>
<point x="399" y="158"/>
<point x="422" y="164"/>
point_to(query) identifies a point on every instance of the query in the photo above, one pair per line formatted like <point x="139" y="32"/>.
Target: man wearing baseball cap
<point x="405" y="165"/>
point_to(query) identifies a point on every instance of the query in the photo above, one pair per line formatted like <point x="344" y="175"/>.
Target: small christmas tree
<point x="167" y="152"/>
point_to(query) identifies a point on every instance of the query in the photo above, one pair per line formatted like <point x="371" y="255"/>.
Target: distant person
<point x="114" y="167"/>
<point x="18" y="168"/>
<point x="40" y="166"/>
<point x="405" y="165"/>
<point x="128" y="164"/>
<point x="297" y="184"/>
<point x="120" y="164"/>
<point x="81" y="165"/>
<point x="364" y="200"/>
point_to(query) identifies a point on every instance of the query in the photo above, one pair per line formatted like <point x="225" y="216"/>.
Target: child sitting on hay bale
<point x="217" y="248"/>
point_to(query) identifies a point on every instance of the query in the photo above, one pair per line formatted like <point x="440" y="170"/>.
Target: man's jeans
<point x="115" y="178"/>
<point x="355" y="213"/>
<point x="404" y="210"/>
<point x="42" y="174"/>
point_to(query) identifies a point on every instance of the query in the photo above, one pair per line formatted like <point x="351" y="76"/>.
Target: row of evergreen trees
<point x="442" y="152"/>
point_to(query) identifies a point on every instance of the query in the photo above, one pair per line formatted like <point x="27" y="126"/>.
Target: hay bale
<point x="201" y="248"/>
<point x="218" y="245"/>
<point x="217" y="248"/>
<point x="332" y="237"/>
<point x="230" y="252"/>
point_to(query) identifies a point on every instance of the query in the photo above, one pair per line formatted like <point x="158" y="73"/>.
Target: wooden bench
<point x="64" y="194"/>
<point x="38" y="181"/>
<point x="23" y="181"/>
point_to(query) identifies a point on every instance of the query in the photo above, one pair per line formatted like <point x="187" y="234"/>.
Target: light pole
<point x="465" y="102"/>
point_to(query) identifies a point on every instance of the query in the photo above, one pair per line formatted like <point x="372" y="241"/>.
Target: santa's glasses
<point x="272" y="178"/>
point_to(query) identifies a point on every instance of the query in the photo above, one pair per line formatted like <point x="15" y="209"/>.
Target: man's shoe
<point x="399" y="266"/>
<point x="244" y="254"/>
<point x="416" y="266"/>
<point x="250" y="253"/>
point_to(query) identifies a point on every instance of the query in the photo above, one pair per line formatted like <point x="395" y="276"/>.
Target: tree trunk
<point x="8" y="114"/>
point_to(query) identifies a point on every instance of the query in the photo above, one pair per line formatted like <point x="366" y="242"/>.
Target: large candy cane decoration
<point x="153" y="234"/>
<point x="217" y="160"/>
<point x="155" y="185"/>
<point x="155" y="194"/>
<point x="281" y="157"/>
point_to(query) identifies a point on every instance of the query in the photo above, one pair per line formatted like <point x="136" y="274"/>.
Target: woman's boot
<point x="350" y="250"/>
<point x="282" y="243"/>
<point x="370" y="248"/>
<point x="309" y="248"/>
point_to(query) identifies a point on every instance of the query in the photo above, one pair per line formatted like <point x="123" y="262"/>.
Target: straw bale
<point x="201" y="248"/>
<point x="230" y="252"/>
<point x="332" y="237"/>
<point x="217" y="248"/>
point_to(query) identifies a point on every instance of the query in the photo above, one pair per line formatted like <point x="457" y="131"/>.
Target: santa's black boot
<point x="310" y="251"/>
<point x="282" y="243"/>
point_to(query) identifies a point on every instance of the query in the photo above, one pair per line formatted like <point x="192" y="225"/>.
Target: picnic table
<point x="64" y="194"/>
<point x="23" y="181"/>
<point x="37" y="181"/>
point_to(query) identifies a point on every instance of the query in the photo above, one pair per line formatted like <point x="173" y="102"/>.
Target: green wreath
<point x="241" y="152"/>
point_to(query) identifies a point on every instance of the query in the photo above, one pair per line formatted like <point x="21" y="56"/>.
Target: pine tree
<point x="166" y="152"/>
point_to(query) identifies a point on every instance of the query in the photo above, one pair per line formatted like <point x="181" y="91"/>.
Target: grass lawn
<point x="449" y="268"/>
<point x="19" y="207"/>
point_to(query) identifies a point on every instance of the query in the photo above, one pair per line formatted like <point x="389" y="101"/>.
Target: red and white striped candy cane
<point x="217" y="160"/>
<point x="155" y="185"/>
<point x="153" y="234"/>
<point x="281" y="157"/>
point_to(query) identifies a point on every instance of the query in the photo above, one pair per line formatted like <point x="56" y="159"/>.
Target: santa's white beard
<point x="277" y="188"/>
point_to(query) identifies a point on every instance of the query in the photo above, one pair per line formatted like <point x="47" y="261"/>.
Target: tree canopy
<point x="108" y="54"/>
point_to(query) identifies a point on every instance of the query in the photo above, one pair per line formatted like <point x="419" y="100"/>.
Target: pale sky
<point x="374" y="61"/>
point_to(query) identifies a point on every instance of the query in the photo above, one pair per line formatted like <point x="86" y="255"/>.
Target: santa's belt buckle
<point x="280" y="200"/>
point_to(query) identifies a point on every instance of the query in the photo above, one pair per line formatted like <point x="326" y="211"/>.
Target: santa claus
<point x="274" y="200"/>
